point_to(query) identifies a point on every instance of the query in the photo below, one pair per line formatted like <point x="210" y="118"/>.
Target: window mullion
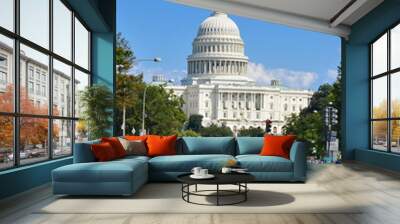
<point x="50" y="81"/>
<point x="371" y="89"/>
<point x="389" y="104"/>
<point x="73" y="82"/>
<point x="16" y="84"/>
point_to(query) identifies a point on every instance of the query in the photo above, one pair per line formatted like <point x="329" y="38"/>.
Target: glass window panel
<point x="395" y="136"/>
<point x="62" y="89"/>
<point x="379" y="135"/>
<point x="33" y="140"/>
<point x="379" y="98"/>
<point x="81" y="131"/>
<point x="35" y="21"/>
<point x="6" y="74"/>
<point x="395" y="94"/>
<point x="81" y="82"/>
<point x="62" y="138"/>
<point x="34" y="96"/>
<point x="6" y="142"/>
<point x="62" y="28"/>
<point x="81" y="45"/>
<point x="379" y="56"/>
<point x="7" y="14"/>
<point x="395" y="47"/>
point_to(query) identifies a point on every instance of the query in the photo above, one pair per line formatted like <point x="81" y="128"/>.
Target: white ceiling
<point x="322" y="9"/>
<point x="327" y="16"/>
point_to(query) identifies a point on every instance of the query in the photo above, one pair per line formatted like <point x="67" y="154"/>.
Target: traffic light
<point x="268" y="126"/>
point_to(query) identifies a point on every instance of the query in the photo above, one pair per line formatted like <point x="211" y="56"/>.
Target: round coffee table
<point x="238" y="179"/>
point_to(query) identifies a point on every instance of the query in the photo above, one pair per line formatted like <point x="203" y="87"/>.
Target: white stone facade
<point x="218" y="88"/>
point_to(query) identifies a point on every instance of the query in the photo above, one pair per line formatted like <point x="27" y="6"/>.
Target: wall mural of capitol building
<point x="218" y="88"/>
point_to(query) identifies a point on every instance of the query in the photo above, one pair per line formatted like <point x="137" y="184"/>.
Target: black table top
<point x="220" y="178"/>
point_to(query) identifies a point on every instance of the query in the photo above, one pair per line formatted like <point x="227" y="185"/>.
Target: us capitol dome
<point x="218" y="53"/>
<point x="217" y="85"/>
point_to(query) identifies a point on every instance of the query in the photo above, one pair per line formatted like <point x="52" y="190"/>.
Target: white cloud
<point x="331" y="75"/>
<point x="289" y="78"/>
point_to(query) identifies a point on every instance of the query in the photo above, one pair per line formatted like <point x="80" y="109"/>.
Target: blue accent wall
<point x="103" y="61"/>
<point x="355" y="59"/>
<point x="24" y="178"/>
<point x="356" y="104"/>
<point x="100" y="17"/>
<point x="380" y="159"/>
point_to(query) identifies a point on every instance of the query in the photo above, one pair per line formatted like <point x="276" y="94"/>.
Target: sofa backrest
<point x="83" y="152"/>
<point x="190" y="146"/>
<point x="206" y="145"/>
<point x="249" y="145"/>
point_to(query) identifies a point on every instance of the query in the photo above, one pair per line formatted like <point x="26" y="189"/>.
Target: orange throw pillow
<point x="161" y="145"/>
<point x="103" y="152"/>
<point x="116" y="145"/>
<point x="277" y="145"/>
<point x="135" y="137"/>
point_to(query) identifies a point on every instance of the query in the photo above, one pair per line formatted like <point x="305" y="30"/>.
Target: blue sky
<point x="299" y="58"/>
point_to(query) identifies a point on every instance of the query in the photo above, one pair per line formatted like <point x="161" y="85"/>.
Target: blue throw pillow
<point x="208" y="145"/>
<point x="249" y="145"/>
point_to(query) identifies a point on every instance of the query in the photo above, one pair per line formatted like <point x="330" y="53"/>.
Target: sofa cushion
<point x="83" y="152"/>
<point x="249" y="145"/>
<point x="112" y="171"/>
<point x="257" y="163"/>
<point x="207" y="145"/>
<point x="134" y="147"/>
<point x="103" y="152"/>
<point x="133" y="158"/>
<point x="277" y="145"/>
<point x="116" y="145"/>
<point x="161" y="145"/>
<point x="185" y="163"/>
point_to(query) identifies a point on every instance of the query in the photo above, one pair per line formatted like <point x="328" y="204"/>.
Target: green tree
<point x="251" y="132"/>
<point x="195" y="121"/>
<point x="319" y="99"/>
<point x="124" y="55"/>
<point x="309" y="128"/>
<point x="164" y="115"/>
<point x="308" y="124"/>
<point x="134" y="110"/>
<point x="163" y="111"/>
<point x="97" y="103"/>
<point x="125" y="94"/>
<point x="216" y="131"/>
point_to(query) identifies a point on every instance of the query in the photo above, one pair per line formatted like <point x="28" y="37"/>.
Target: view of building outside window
<point x="385" y="117"/>
<point x="36" y="117"/>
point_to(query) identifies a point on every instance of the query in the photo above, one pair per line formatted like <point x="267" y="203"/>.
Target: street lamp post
<point x="119" y="69"/>
<point x="143" y="130"/>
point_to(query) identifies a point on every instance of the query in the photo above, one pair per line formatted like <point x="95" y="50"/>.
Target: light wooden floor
<point x="379" y="189"/>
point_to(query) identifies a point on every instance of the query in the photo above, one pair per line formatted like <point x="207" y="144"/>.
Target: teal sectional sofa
<point x="125" y="176"/>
